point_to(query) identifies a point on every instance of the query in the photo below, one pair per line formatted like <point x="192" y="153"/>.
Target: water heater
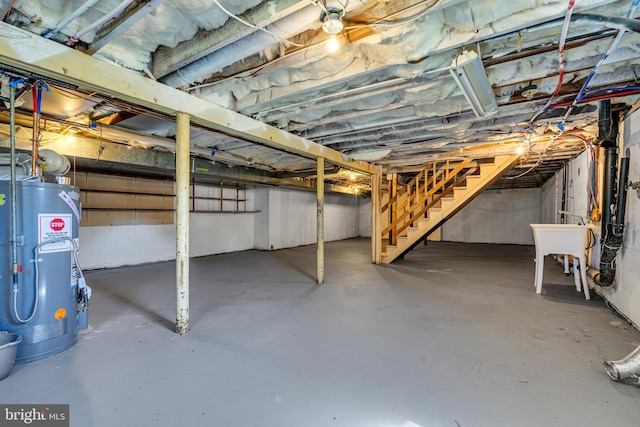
<point x="41" y="300"/>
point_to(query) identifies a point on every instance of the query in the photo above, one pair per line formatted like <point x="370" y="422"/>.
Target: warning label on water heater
<point x="52" y="227"/>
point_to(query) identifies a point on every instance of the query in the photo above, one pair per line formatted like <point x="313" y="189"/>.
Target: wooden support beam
<point x="33" y="54"/>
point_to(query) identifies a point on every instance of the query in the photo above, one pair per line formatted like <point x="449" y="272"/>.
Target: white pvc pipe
<point x="115" y="12"/>
<point x="79" y="11"/>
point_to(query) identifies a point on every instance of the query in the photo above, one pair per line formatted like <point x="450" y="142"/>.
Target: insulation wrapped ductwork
<point x="625" y="369"/>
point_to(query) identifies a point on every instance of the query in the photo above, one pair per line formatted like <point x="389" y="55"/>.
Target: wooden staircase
<point x="414" y="210"/>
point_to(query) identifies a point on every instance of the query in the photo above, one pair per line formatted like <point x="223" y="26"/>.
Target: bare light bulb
<point x="333" y="44"/>
<point x="520" y="149"/>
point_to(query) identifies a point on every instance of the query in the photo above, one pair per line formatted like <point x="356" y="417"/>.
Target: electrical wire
<point x="607" y="94"/>
<point x="535" y="165"/>
<point x="563" y="38"/>
<point x="604" y="57"/>
<point x="249" y="24"/>
<point x="546" y="148"/>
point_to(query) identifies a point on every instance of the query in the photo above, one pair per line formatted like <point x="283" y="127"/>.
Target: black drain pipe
<point x="612" y="228"/>
<point x="608" y="138"/>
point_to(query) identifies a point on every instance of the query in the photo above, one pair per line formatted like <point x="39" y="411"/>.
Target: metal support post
<point x="376" y="229"/>
<point x="183" y="144"/>
<point x="320" y="214"/>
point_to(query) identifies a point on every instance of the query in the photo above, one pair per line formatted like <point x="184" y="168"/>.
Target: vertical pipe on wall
<point x="35" y="141"/>
<point x="14" y="213"/>
<point x="320" y="214"/>
<point x="607" y="137"/>
<point x="182" y="222"/>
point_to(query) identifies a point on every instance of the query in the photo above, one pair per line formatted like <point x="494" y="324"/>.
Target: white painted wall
<point x="289" y="218"/>
<point x="364" y="216"/>
<point x="577" y="200"/>
<point x="114" y="246"/>
<point x="551" y="200"/>
<point x="211" y="233"/>
<point x="284" y="218"/>
<point x="496" y="216"/>
<point x="261" y="218"/>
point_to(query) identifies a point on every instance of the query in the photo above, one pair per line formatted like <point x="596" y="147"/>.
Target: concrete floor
<point x="453" y="335"/>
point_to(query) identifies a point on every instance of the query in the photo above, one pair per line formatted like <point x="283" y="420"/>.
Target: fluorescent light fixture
<point x="469" y="74"/>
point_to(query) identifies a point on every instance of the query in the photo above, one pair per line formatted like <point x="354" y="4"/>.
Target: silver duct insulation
<point x="625" y="369"/>
<point x="302" y="20"/>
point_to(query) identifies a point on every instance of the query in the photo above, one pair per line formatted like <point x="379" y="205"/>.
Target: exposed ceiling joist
<point x="31" y="53"/>
<point x="166" y="60"/>
<point x="114" y="28"/>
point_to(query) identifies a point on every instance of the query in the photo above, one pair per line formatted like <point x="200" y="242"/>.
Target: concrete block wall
<point x="211" y="233"/>
<point x="576" y="197"/>
<point x="279" y="218"/>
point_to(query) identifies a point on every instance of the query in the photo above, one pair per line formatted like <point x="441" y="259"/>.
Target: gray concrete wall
<point x="496" y="216"/>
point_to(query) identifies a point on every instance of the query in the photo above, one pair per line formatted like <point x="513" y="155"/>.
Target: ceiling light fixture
<point x="469" y="74"/>
<point x="332" y="25"/>
<point x="529" y="91"/>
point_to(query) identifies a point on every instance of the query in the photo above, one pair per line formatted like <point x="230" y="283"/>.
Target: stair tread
<point x="446" y="206"/>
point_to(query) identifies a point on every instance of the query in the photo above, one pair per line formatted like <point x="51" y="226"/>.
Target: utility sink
<point x="563" y="239"/>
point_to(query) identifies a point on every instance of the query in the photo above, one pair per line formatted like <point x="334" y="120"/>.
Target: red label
<point x="57" y="224"/>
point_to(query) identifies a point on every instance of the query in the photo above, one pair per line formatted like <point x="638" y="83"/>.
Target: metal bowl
<point x="8" y="348"/>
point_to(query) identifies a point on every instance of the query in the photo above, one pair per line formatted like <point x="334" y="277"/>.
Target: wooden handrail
<point x="435" y="200"/>
<point x="419" y="205"/>
<point x="438" y="168"/>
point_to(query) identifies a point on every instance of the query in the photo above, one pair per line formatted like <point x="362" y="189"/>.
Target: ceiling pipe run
<point x="618" y="23"/>
<point x="297" y="22"/>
